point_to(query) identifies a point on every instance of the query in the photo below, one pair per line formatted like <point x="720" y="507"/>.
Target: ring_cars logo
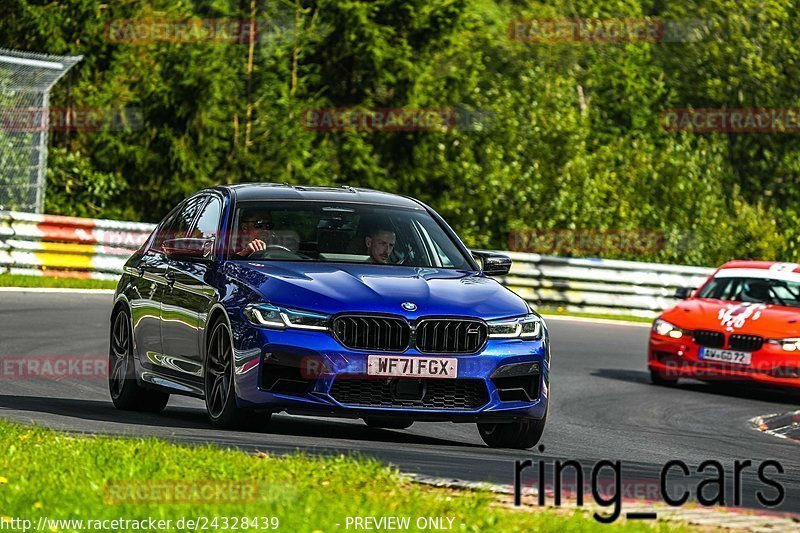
<point x="735" y="316"/>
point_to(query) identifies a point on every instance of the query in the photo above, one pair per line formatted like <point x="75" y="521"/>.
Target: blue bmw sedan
<point x="266" y="298"/>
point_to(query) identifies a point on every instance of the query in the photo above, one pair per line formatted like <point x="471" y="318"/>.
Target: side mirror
<point x="684" y="292"/>
<point x="189" y="248"/>
<point x="493" y="264"/>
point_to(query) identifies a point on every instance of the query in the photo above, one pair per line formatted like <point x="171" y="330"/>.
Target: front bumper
<point x="309" y="372"/>
<point x="680" y="358"/>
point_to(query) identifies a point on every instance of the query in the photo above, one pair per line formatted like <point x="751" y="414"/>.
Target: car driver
<point x="255" y="229"/>
<point x="380" y="244"/>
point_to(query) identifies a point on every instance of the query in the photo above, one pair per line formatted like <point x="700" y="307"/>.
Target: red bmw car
<point x="742" y="324"/>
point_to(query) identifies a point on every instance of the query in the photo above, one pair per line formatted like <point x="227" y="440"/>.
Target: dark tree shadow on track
<point x="737" y="389"/>
<point x="332" y="428"/>
<point x="135" y="423"/>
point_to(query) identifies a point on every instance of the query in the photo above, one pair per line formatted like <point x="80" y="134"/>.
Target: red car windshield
<point x="755" y="290"/>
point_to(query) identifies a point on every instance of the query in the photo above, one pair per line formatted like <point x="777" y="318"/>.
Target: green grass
<point x="626" y="318"/>
<point x="14" y="280"/>
<point x="58" y="476"/>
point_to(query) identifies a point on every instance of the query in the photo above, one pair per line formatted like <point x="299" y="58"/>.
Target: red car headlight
<point x="662" y="327"/>
<point x="789" y="345"/>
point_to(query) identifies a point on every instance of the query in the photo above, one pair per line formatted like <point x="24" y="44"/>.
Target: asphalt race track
<point x="603" y="407"/>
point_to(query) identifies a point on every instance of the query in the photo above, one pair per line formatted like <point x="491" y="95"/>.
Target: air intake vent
<point x="436" y="393"/>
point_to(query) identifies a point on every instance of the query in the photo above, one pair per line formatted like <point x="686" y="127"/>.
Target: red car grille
<point x="746" y="343"/>
<point x="712" y="339"/>
<point x="716" y="339"/>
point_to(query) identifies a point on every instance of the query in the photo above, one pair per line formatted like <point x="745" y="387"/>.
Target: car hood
<point x="767" y="320"/>
<point x="340" y="287"/>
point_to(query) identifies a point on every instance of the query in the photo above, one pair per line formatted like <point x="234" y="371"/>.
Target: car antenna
<point x="295" y="187"/>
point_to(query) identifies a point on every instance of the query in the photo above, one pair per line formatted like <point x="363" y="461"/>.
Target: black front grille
<point x="712" y="339"/>
<point x="450" y="336"/>
<point x="746" y="343"/>
<point x="372" y="333"/>
<point x="438" y="393"/>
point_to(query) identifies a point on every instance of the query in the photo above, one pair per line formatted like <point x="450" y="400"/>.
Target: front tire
<point x="219" y="388"/>
<point x="125" y="392"/>
<point x="517" y="435"/>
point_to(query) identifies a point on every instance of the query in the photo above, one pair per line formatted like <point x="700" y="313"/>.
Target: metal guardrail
<point x="600" y="285"/>
<point x="80" y="247"/>
<point x="67" y="246"/>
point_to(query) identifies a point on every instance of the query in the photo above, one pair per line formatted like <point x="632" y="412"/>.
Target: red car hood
<point x="766" y="320"/>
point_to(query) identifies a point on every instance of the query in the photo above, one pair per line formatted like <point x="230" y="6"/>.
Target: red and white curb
<point x="781" y="425"/>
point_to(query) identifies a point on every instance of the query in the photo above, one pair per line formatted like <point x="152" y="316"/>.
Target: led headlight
<point x="789" y="345"/>
<point x="528" y="327"/>
<point x="272" y="316"/>
<point x="662" y="327"/>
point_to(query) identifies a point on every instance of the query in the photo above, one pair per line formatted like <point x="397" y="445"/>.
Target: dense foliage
<point x="570" y="136"/>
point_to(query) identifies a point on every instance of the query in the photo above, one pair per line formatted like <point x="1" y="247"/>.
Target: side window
<point x="207" y="224"/>
<point x="443" y="257"/>
<point x="178" y="224"/>
<point x="162" y="232"/>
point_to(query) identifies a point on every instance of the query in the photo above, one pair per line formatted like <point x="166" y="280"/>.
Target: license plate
<point x="422" y="367"/>
<point x="725" y="356"/>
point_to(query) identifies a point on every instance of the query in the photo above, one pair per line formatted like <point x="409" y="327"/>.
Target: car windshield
<point x="756" y="290"/>
<point x="342" y="232"/>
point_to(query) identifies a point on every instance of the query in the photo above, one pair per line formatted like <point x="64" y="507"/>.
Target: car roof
<point x="762" y="265"/>
<point x="759" y="269"/>
<point x="283" y="191"/>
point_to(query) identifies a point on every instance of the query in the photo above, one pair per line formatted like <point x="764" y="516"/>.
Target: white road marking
<point x="57" y="290"/>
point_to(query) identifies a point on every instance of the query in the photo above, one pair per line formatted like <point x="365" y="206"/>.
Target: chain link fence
<point x="25" y="82"/>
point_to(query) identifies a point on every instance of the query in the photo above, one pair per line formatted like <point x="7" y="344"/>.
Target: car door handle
<point x="170" y="277"/>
